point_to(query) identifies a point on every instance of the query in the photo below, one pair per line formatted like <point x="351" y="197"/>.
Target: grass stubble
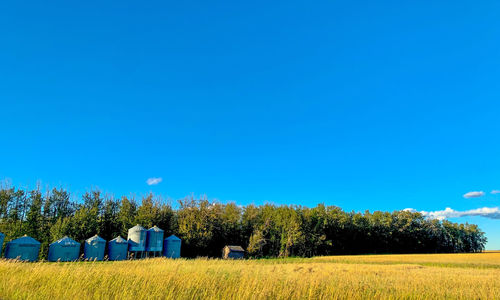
<point x="420" y="276"/>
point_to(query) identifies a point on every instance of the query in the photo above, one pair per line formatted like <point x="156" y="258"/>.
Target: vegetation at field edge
<point x="205" y="227"/>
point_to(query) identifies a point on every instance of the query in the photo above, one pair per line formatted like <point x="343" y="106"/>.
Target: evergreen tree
<point x="205" y="227"/>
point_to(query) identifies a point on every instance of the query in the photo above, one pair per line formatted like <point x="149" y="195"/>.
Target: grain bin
<point x="154" y="241"/>
<point x="94" y="248"/>
<point x="24" y="248"/>
<point x="64" y="249"/>
<point x="117" y="249"/>
<point x="172" y="247"/>
<point x="2" y="237"/>
<point x="137" y="240"/>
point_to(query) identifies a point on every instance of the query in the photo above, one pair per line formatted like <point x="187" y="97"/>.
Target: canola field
<point x="419" y="276"/>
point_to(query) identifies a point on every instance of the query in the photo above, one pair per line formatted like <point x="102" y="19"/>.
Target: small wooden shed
<point x="234" y="252"/>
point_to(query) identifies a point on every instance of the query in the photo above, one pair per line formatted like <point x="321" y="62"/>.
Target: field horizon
<point x="387" y="276"/>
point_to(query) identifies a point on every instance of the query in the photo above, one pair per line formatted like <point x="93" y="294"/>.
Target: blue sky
<point x="381" y="105"/>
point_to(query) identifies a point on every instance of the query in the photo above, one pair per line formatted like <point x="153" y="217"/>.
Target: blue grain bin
<point x="94" y="248"/>
<point x="155" y="239"/>
<point x="64" y="249"/>
<point x="172" y="247"/>
<point x="2" y="237"/>
<point x="137" y="238"/>
<point x="117" y="249"/>
<point x="24" y="248"/>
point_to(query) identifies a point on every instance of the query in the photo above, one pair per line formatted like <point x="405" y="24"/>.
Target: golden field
<point x="422" y="276"/>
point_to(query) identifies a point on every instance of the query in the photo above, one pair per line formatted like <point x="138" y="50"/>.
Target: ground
<point x="420" y="276"/>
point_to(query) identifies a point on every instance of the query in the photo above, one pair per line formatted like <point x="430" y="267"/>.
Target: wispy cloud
<point x="487" y="212"/>
<point x="154" y="181"/>
<point x="474" y="194"/>
<point x="494" y="192"/>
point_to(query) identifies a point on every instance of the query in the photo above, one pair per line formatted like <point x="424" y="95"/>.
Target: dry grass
<point x="440" y="276"/>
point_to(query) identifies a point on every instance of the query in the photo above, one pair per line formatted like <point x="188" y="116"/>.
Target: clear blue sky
<point x="379" y="105"/>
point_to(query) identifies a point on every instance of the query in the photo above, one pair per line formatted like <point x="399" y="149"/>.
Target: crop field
<point x="422" y="276"/>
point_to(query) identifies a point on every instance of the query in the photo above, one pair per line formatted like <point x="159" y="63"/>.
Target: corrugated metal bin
<point x="155" y="239"/>
<point x="24" y="248"/>
<point x="64" y="249"/>
<point x="172" y="247"/>
<point x="2" y="238"/>
<point x="137" y="239"/>
<point x="117" y="249"/>
<point x="94" y="248"/>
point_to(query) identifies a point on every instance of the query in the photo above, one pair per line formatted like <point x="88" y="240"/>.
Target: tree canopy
<point x="205" y="227"/>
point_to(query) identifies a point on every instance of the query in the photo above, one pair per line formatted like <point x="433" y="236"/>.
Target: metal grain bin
<point x="154" y="241"/>
<point x="117" y="249"/>
<point x="137" y="238"/>
<point x="172" y="247"/>
<point x="94" y="248"/>
<point x="2" y="237"/>
<point x="24" y="248"/>
<point x="64" y="249"/>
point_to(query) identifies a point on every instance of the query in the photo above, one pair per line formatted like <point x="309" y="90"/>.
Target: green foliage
<point x="126" y="215"/>
<point x="205" y="227"/>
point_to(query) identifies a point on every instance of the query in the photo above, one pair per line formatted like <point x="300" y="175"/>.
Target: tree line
<point x="205" y="227"/>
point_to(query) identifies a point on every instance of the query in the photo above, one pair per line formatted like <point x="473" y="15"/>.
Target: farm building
<point x="137" y="236"/>
<point x="234" y="252"/>
<point x="94" y="248"/>
<point x="118" y="249"/>
<point x="23" y="248"/>
<point x="64" y="249"/>
<point x="2" y="237"/>
<point x="172" y="247"/>
<point x="154" y="241"/>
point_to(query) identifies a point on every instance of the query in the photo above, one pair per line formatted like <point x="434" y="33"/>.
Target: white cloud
<point x="487" y="212"/>
<point x="154" y="181"/>
<point x="494" y="192"/>
<point x="474" y="194"/>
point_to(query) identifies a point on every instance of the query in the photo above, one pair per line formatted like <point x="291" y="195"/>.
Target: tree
<point x="126" y="215"/>
<point x="206" y="226"/>
<point x="147" y="213"/>
<point x="109" y="225"/>
<point x="34" y="220"/>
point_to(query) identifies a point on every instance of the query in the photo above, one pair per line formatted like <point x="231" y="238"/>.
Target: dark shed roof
<point x="236" y="248"/>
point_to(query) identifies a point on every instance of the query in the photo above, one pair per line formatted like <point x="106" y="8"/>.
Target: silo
<point x="64" y="249"/>
<point x="24" y="248"/>
<point x="117" y="249"/>
<point x="154" y="241"/>
<point x="137" y="240"/>
<point x="2" y="237"/>
<point x="172" y="247"/>
<point x="94" y="248"/>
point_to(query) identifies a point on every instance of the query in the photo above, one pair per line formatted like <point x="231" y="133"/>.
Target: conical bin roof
<point x="25" y="240"/>
<point x="66" y="241"/>
<point x="155" y="229"/>
<point x="173" y="238"/>
<point x="137" y="228"/>
<point x="119" y="240"/>
<point x="95" y="239"/>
